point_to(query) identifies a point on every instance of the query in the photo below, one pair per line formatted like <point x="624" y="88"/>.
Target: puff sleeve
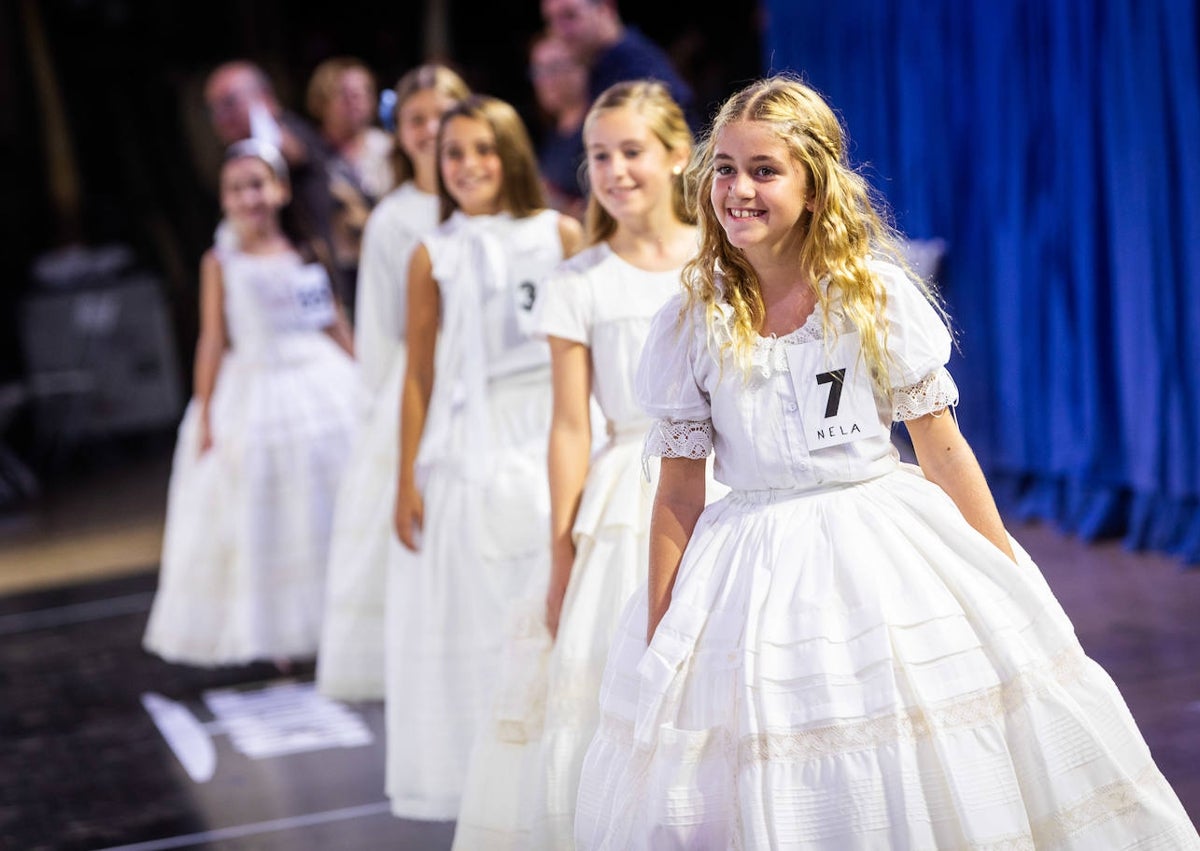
<point x="566" y="308"/>
<point x="667" y="388"/>
<point x="919" y="347"/>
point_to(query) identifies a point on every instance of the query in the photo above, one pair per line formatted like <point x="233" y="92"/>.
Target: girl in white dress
<point x="844" y="652"/>
<point x="350" y="664"/>
<point x="263" y="441"/>
<point x="472" y="507"/>
<point x="596" y="311"/>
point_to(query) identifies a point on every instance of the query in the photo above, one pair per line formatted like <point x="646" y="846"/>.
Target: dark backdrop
<point x="128" y="76"/>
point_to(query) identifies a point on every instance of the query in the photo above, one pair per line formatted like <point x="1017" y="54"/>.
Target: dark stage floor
<point x="249" y="759"/>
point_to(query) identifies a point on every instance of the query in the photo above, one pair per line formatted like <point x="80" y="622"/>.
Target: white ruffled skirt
<point x="524" y="770"/>
<point x="484" y="542"/>
<point x="524" y="767"/>
<point x="350" y="663"/>
<point x="857" y="668"/>
<point x="248" y="522"/>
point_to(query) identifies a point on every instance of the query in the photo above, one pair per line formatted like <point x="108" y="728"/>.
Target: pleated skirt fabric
<point x="484" y="542"/>
<point x="524" y="767"/>
<point x="350" y="663"/>
<point x="857" y="668"/>
<point x="248" y="522"/>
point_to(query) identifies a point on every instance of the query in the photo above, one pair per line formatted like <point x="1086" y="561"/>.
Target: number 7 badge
<point x="833" y="392"/>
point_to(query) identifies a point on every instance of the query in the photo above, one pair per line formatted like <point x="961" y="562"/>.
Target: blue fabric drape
<point x="1048" y="142"/>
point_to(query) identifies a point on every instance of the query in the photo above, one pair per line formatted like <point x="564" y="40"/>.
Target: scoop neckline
<point x="813" y="316"/>
<point x="611" y="253"/>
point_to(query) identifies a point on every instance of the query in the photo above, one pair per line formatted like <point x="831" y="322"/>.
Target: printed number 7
<point x="834" y="379"/>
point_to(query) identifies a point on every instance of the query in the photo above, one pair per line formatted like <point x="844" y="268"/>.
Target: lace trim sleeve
<point x="936" y="392"/>
<point x="678" y="439"/>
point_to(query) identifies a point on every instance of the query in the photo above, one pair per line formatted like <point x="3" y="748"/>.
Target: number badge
<point x="834" y="392"/>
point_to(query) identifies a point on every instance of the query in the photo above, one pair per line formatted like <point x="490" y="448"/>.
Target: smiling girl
<point x="263" y="441"/>
<point x="472" y="506"/>
<point x="845" y="653"/>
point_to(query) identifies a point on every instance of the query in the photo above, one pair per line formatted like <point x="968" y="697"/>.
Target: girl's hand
<point x="652" y="622"/>
<point x="557" y="590"/>
<point x="409" y="515"/>
<point x="206" y="440"/>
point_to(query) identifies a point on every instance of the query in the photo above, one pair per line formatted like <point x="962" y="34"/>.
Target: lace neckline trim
<point x="809" y="330"/>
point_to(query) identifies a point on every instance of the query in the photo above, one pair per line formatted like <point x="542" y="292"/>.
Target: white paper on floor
<point x="275" y="720"/>
<point x="283" y="719"/>
<point x="185" y="733"/>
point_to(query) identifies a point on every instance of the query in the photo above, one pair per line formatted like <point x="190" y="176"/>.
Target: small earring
<point x="678" y="170"/>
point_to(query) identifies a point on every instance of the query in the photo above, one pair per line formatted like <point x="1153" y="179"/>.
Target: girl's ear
<point x="679" y="161"/>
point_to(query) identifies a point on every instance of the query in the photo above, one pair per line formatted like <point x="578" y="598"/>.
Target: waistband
<point x="769" y="496"/>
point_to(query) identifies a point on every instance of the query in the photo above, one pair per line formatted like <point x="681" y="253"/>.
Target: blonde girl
<point x="845" y="652"/>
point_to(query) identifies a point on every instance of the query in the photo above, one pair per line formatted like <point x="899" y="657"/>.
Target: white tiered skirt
<point x="857" y="668"/>
<point x="350" y="664"/>
<point x="484" y="542"/>
<point x="524" y="770"/>
<point x="248" y="522"/>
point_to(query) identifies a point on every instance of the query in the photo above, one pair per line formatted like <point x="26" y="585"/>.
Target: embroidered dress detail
<point x="933" y="393"/>
<point x="678" y="439"/>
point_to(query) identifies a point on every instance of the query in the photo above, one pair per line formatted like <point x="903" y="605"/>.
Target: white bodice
<point x="270" y="298"/>
<point x="490" y="271"/>
<point x="762" y="423"/>
<point x="607" y="304"/>
<point x="392" y="231"/>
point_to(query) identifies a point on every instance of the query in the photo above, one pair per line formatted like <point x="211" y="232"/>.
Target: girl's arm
<point x="211" y="343"/>
<point x="677" y="506"/>
<point x="570" y="233"/>
<point x="424" y="307"/>
<point x="947" y="460"/>
<point x="569" y="451"/>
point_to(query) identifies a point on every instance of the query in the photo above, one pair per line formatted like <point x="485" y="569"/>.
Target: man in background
<point x="614" y="52"/>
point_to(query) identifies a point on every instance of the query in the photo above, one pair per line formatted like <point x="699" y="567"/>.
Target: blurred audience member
<point x="596" y="35"/>
<point x="342" y="97"/>
<point x="560" y="85"/>
<point x="242" y="104"/>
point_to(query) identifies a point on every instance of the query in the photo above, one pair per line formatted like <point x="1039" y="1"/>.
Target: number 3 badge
<point x="834" y="392"/>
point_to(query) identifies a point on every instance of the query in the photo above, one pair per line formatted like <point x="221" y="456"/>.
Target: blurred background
<point x="110" y="201"/>
<point x="1037" y="149"/>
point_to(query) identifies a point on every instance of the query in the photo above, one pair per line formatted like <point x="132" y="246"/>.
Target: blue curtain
<point x="1048" y="142"/>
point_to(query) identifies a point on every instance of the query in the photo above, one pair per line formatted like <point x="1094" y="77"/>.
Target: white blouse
<point x="603" y="301"/>
<point x="806" y="414"/>
<point x="392" y="231"/>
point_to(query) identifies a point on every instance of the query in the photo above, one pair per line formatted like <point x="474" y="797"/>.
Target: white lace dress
<point x="846" y="664"/>
<point x="350" y="664"/>
<point x="248" y="522"/>
<point x="481" y="469"/>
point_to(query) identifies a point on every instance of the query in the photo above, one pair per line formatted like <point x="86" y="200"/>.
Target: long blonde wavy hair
<point x="846" y="227"/>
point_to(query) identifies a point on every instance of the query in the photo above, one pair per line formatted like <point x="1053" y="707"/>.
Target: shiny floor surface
<point x="104" y="746"/>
